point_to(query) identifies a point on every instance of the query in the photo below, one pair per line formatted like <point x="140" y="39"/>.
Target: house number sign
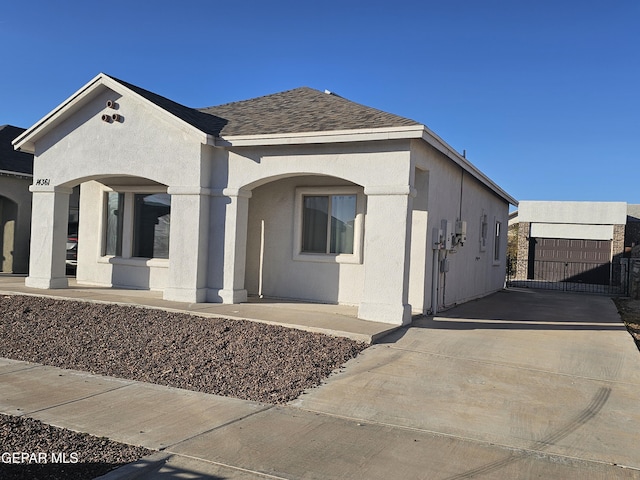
<point x="43" y="181"/>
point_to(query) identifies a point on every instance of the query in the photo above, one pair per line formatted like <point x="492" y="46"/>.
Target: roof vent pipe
<point x="112" y="104"/>
<point x="106" y="118"/>
<point x="116" y="117"/>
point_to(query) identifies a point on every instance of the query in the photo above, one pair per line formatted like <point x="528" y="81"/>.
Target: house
<point x="300" y="194"/>
<point x="587" y="240"/>
<point x="16" y="170"/>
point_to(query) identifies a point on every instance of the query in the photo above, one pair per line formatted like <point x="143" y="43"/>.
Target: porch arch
<point x="124" y="266"/>
<point x="306" y="172"/>
<point x="378" y="284"/>
<point x="275" y="266"/>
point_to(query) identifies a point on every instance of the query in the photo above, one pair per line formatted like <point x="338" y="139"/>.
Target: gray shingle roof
<point x="10" y="159"/>
<point x="293" y="111"/>
<point x="301" y="110"/>
<point x="204" y="122"/>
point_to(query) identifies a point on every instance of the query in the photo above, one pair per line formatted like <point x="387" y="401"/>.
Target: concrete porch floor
<point x="337" y="320"/>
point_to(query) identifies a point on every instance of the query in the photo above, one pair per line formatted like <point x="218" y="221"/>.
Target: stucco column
<point x="50" y="218"/>
<point x="188" y="245"/>
<point x="386" y="255"/>
<point x="229" y="273"/>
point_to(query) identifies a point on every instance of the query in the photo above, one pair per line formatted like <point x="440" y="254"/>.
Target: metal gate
<point x="610" y="278"/>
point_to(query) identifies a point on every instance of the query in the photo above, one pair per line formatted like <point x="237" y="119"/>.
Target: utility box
<point x="461" y="231"/>
<point x="444" y="265"/>
<point x="448" y="234"/>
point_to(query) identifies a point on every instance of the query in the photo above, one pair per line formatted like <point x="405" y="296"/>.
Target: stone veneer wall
<point x="617" y="246"/>
<point x="524" y="229"/>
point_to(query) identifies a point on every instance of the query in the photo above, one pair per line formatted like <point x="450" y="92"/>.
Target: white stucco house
<point x="300" y="194"/>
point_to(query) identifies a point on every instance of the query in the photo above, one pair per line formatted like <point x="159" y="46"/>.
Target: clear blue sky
<point x="542" y="94"/>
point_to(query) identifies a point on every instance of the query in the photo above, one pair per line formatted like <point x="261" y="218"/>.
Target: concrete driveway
<point x="537" y="375"/>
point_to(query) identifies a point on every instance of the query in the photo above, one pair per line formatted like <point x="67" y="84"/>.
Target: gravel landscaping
<point x="57" y="454"/>
<point x="234" y="358"/>
<point x="629" y="310"/>
<point x="242" y="359"/>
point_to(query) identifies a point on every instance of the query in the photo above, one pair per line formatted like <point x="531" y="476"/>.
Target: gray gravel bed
<point x="236" y="358"/>
<point x="52" y="453"/>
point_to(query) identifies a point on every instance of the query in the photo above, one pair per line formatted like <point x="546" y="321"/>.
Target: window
<point x="113" y="224"/>
<point x="151" y="219"/>
<point x="496" y="242"/>
<point x="328" y="233"/>
<point x="137" y="225"/>
<point x="328" y="224"/>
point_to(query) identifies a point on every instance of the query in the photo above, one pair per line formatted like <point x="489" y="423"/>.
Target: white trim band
<point x="390" y="190"/>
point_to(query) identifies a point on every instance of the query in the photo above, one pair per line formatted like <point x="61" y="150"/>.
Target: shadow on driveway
<point x="523" y="309"/>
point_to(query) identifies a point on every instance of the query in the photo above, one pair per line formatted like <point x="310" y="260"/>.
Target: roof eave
<point x="331" y="136"/>
<point x="12" y="173"/>
<point x="436" y="142"/>
<point x="26" y="141"/>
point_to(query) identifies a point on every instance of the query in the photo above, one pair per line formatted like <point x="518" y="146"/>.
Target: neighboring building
<point x="16" y="172"/>
<point x="300" y="195"/>
<point x="587" y="238"/>
<point x="632" y="231"/>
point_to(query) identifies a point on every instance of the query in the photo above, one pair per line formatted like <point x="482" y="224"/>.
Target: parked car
<point x="72" y="245"/>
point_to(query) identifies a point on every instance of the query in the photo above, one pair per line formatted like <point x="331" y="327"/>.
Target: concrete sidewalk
<point x="522" y="384"/>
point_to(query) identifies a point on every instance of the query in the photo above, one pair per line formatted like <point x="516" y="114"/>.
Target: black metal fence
<point x="606" y="279"/>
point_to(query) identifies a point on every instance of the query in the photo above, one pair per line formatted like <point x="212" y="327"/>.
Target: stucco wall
<point x="85" y="147"/>
<point x="271" y="266"/>
<point x="561" y="230"/>
<point x="453" y="195"/>
<point x="587" y="213"/>
<point x="366" y="163"/>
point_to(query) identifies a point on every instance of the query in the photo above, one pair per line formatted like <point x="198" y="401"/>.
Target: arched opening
<point x="304" y="239"/>
<point x="123" y="232"/>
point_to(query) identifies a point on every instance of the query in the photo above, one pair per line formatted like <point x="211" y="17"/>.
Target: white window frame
<point x="497" y="241"/>
<point x="356" y="256"/>
<point x="128" y="227"/>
